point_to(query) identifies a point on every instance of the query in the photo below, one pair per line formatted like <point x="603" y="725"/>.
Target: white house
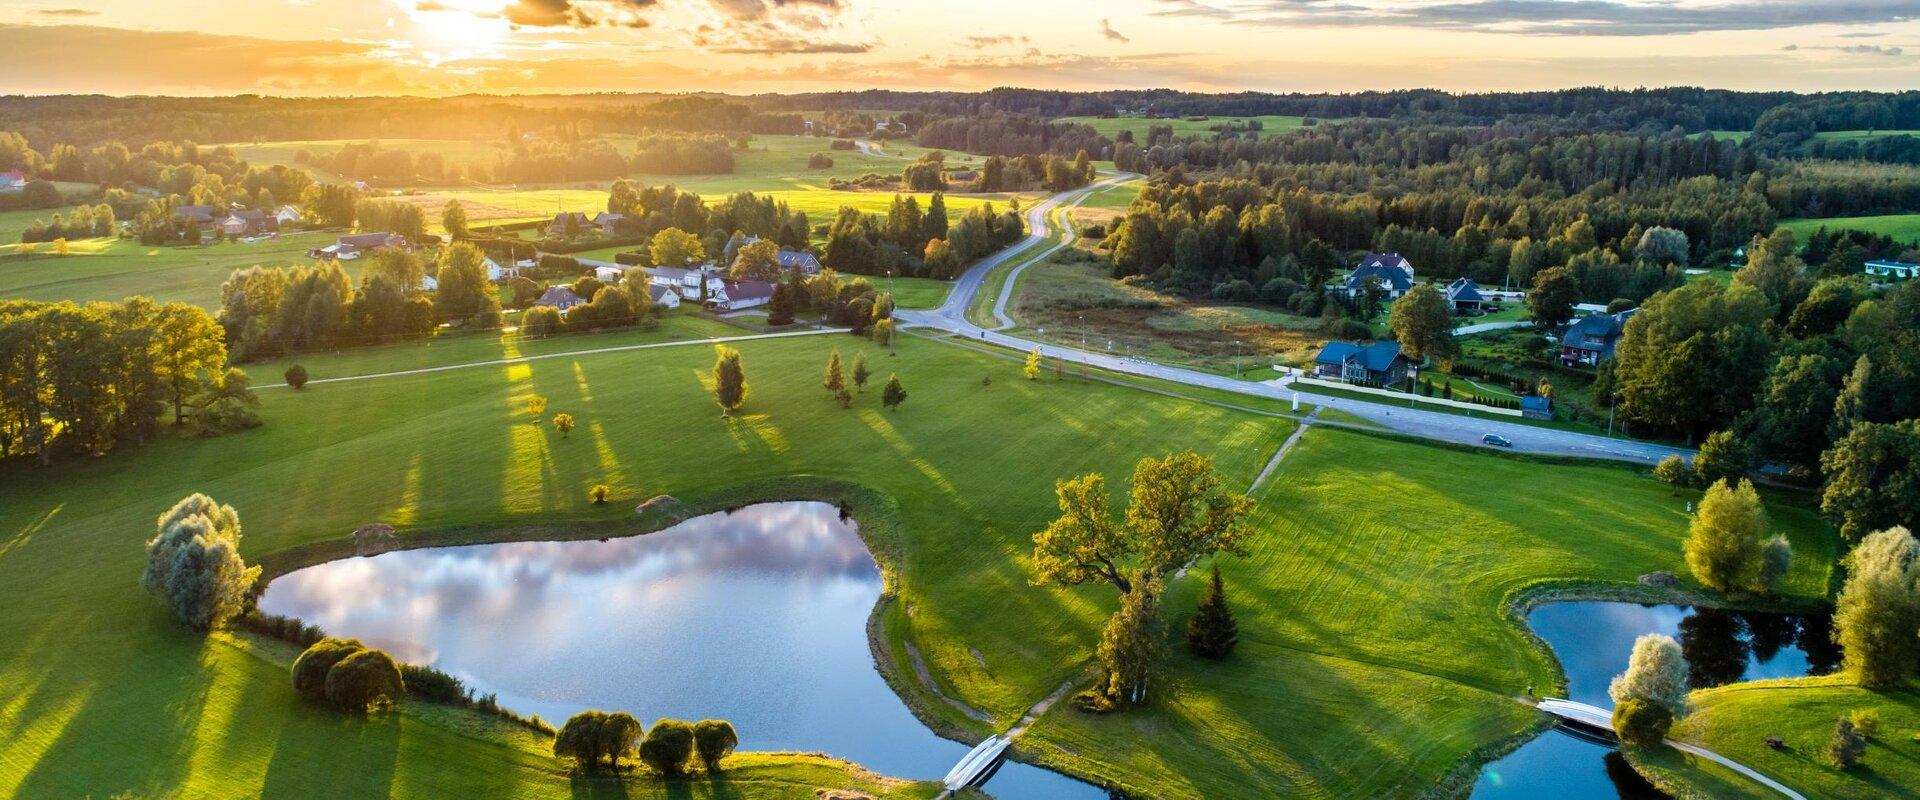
<point x="736" y="295"/>
<point x="609" y="275"/>
<point x="663" y="296"/>
<point x="286" y="215"/>
<point x="1392" y="270"/>
<point x="1890" y="268"/>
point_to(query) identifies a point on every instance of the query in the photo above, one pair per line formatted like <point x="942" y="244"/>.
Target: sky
<point x="442" y="47"/>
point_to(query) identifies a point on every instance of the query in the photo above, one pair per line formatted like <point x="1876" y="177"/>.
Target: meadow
<point x="1902" y="227"/>
<point x="1377" y="655"/>
<point x="111" y="269"/>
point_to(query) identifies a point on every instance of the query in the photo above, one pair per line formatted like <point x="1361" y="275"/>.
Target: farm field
<point x="451" y="455"/>
<point x="111" y="269"/>
<point x="1902" y="227"/>
<point x="1183" y="127"/>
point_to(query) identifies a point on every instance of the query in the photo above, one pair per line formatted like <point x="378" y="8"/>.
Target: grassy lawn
<point x="915" y="292"/>
<point x="1508" y="312"/>
<point x="110" y="269"/>
<point x="1736" y="720"/>
<point x="1183" y="127"/>
<point x="1902" y="227"/>
<point x="1376" y="657"/>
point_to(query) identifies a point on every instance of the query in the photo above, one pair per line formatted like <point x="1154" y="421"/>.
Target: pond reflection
<point x="1594" y="640"/>
<point x="757" y="616"/>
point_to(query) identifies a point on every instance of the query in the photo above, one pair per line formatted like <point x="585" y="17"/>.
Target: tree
<point x="1674" y="471"/>
<point x="1656" y="673"/>
<point x="1032" y="369"/>
<point x="1662" y="246"/>
<point x="1422" y="324"/>
<point x="1693" y="357"/>
<point x="1177" y="512"/>
<point x="540" y="322"/>
<point x="224" y="403"/>
<point x="835" y="382"/>
<point x="310" y="669"/>
<point x="1873" y="477"/>
<point x="861" y="372"/>
<point x="454" y="219"/>
<point x="672" y="247"/>
<point x="296" y="376"/>
<point x="713" y="740"/>
<point x="465" y="295"/>
<point x="1553" y="296"/>
<point x="1724" y="540"/>
<point x="563" y="423"/>
<point x="1772" y="266"/>
<point x="598" y="493"/>
<point x="1796" y="409"/>
<point x="668" y="745"/>
<point x="894" y="394"/>
<point x="188" y="347"/>
<point x="1642" y="723"/>
<point x="616" y="736"/>
<point x="1131" y="646"/>
<point x="1723" y="457"/>
<point x="729" y="381"/>
<point x="781" y="307"/>
<point x="940" y="260"/>
<point x="590" y="736"/>
<point x="757" y="261"/>
<point x="1776" y="563"/>
<point x="1847" y="746"/>
<point x="882" y="333"/>
<point x="1878" y="611"/>
<point x="365" y="679"/>
<point x="1212" y="633"/>
<point x="194" y="563"/>
<point x="536" y="406"/>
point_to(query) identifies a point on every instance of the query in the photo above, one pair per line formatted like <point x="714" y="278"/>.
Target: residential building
<point x="1892" y="269"/>
<point x="559" y="298"/>
<point x="607" y="220"/>
<point x="1380" y="363"/>
<point x="286" y="215"/>
<point x="13" y="181"/>
<point x="248" y="222"/>
<point x="736" y="295"/>
<point x="350" y="247"/>
<point x="1464" y="296"/>
<point x="202" y="215"/>
<point x="1393" y="271"/>
<point x="663" y="296"/>
<point x="1590" y="340"/>
<point x="805" y="261"/>
<point x="578" y="222"/>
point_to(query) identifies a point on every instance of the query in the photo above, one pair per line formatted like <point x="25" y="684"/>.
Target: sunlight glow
<point x="456" y="30"/>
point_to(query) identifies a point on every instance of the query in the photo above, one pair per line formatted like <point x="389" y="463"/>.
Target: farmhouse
<point x="348" y="248"/>
<point x="736" y="295"/>
<point x="1590" y="340"/>
<point x="802" y="260"/>
<point x="13" y="181"/>
<point x="1380" y="363"/>
<point x="606" y="220"/>
<point x="202" y="215"/>
<point x="663" y="296"/>
<point x="286" y="215"/>
<point x="560" y="298"/>
<point x="568" y="223"/>
<point x="1394" y="272"/>
<point x="1464" y="295"/>
<point x="1889" y="268"/>
<point x="248" y="222"/>
<point x="688" y="282"/>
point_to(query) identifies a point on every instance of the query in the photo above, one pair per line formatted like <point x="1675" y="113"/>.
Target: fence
<point x="1400" y="395"/>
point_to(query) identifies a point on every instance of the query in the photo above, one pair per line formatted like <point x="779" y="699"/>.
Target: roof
<point x="1600" y="328"/>
<point x="1393" y="260"/>
<point x="659" y="293"/>
<point x="798" y="258"/>
<point x="1376" y="357"/>
<point x="1534" y="402"/>
<point x="371" y="239"/>
<point x="558" y="297"/>
<point x="748" y="290"/>
<point x="1463" y="290"/>
<point x="195" y="213"/>
<point x="1889" y="263"/>
<point x="1393" y="278"/>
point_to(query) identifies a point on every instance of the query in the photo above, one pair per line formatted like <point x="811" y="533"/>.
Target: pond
<point x="757" y="616"/>
<point x="1593" y="641"/>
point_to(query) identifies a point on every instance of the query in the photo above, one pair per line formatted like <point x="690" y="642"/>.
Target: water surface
<point x="757" y="616"/>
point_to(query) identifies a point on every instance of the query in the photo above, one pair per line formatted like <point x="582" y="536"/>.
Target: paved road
<point x="951" y="317"/>
<point x="1469" y="330"/>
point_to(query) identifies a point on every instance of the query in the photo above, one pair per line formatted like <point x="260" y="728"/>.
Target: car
<point x="1496" y="440"/>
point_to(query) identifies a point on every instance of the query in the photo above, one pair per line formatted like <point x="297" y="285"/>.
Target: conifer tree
<point x="1212" y="633"/>
<point x="894" y="394"/>
<point x="836" y="381"/>
<point x="860" y="371"/>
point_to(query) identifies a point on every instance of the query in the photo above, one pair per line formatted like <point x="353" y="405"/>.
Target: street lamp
<point x="1613" y="404"/>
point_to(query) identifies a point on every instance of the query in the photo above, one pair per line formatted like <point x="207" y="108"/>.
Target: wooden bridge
<point x="1593" y="720"/>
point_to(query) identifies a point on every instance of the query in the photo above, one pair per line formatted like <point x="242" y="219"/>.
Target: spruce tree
<point x="860" y="371"/>
<point x="1212" y="633"/>
<point x="836" y="380"/>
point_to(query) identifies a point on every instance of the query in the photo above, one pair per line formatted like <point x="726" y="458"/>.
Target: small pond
<point x="1593" y="641"/>
<point x="757" y="616"/>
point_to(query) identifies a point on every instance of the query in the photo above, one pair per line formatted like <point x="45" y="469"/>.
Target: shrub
<point x="363" y="680"/>
<point x="714" y="739"/>
<point x="563" y="423"/>
<point x="310" y="669"/>
<point x="434" y="686"/>
<point x="194" y="563"/>
<point x="819" y="161"/>
<point x="296" y="376"/>
<point x="1867" y="722"/>
<point x="1674" y="471"/>
<point x="1642" y="723"/>
<point x="1776" y="561"/>
<point x="598" y="492"/>
<point x="540" y="321"/>
<point x="668" y="745"/>
<point x="1847" y="746"/>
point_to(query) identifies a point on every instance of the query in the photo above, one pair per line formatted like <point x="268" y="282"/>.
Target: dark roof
<point x="1394" y="260"/>
<point x="798" y="258"/>
<point x="558" y="297"/>
<point x="1464" y="289"/>
<point x="1393" y="278"/>
<point x="195" y="213"/>
<point x="364" y="240"/>
<point x="660" y="293"/>
<point x="1376" y="357"/>
<point x="1597" y="329"/>
<point x="748" y="290"/>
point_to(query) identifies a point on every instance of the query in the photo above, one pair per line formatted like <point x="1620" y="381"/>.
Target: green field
<point x="1375" y="657"/>
<point x="111" y="269"/>
<point x="1183" y="127"/>
<point x="1902" y="227"/>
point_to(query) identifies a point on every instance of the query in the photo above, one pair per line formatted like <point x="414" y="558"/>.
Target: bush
<point x="819" y="161"/>
<point x="668" y="745"/>
<point x="1867" y="722"/>
<point x="296" y="376"/>
<point x="1776" y="561"/>
<point x="1674" y="471"/>
<point x="1349" y="328"/>
<point x="714" y="739"/>
<point x="311" y="668"/>
<point x="590" y="736"/>
<point x="1848" y="746"/>
<point x="434" y="686"/>
<point x="540" y="321"/>
<point x="598" y="493"/>
<point x="364" y="680"/>
<point x="194" y="563"/>
<point x="1642" y="723"/>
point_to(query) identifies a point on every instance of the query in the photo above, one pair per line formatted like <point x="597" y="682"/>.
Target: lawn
<point x="1183" y="127"/>
<point x="914" y="292"/>
<point x="110" y="269"/>
<point x="1375" y="658"/>
<point x="1902" y="227"/>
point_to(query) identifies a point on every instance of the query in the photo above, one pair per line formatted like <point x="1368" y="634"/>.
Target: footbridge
<point x="1595" y="720"/>
<point x="977" y="765"/>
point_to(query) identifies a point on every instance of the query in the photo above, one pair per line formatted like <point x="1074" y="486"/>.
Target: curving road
<point x="951" y="317"/>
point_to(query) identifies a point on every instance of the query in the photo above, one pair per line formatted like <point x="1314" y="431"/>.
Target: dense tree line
<point x="910" y="241"/>
<point x="1008" y="135"/>
<point x="273" y="311"/>
<point x="86" y="378"/>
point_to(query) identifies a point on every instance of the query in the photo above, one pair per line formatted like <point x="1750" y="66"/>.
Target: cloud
<point x="569" y="13"/>
<point x="1554" y="17"/>
<point x="991" y="41"/>
<point x="1106" y="29"/>
<point x="777" y="27"/>
<point x="67" y="12"/>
